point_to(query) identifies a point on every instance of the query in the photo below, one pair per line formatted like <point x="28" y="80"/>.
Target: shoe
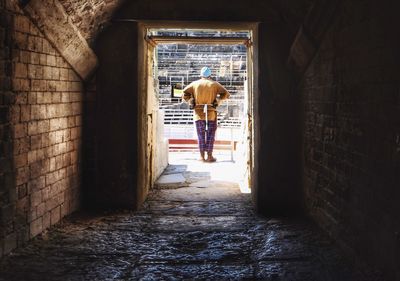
<point x="210" y="158"/>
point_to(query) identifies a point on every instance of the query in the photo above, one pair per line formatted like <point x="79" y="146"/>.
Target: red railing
<point x="192" y="145"/>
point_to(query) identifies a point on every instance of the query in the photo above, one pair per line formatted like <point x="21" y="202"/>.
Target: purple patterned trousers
<point x="206" y="140"/>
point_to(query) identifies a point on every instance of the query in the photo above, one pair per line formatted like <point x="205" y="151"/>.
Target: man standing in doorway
<point x="205" y="95"/>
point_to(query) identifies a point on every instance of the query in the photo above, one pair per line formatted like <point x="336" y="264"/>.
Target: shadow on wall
<point x="13" y="226"/>
<point x="110" y="167"/>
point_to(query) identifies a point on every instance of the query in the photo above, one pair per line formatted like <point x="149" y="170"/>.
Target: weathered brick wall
<point x="351" y="99"/>
<point x="40" y="171"/>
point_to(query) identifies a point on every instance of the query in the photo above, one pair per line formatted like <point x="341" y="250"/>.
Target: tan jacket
<point x="205" y="91"/>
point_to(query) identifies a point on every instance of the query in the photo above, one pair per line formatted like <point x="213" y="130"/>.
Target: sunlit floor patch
<point x="224" y="170"/>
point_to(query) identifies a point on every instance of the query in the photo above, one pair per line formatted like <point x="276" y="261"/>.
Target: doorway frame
<point x="145" y="50"/>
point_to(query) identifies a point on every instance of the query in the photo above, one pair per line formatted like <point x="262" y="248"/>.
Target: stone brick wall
<point x="351" y="97"/>
<point x="40" y="132"/>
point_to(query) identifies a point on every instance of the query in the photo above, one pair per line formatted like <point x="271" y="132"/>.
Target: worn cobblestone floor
<point x="199" y="229"/>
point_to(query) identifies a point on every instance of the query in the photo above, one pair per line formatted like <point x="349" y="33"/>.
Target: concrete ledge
<point x="52" y="20"/>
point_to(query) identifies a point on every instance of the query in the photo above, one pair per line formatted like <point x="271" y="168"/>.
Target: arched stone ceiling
<point x="90" y="16"/>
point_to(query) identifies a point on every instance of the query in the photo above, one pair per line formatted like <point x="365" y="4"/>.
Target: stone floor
<point x="196" y="225"/>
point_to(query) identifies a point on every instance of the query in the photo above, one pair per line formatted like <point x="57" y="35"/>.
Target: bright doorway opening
<point x="174" y="59"/>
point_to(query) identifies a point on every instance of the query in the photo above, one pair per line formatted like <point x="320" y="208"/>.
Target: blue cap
<point x="205" y="72"/>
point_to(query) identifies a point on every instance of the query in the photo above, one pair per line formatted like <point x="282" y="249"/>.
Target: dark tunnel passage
<point x="79" y="197"/>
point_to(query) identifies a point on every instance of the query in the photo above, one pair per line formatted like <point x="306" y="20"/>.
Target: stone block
<point x="52" y="203"/>
<point x="51" y="60"/>
<point x="19" y="84"/>
<point x="22" y="204"/>
<point x="62" y="86"/>
<point x="46" y="140"/>
<point x="76" y="97"/>
<point x="47" y="48"/>
<point x="61" y="62"/>
<point x="55" y="75"/>
<point x="21" y="145"/>
<point x="75" y="133"/>
<point x="21" y="160"/>
<point x="34" y="58"/>
<point x="59" y="161"/>
<point x="32" y="156"/>
<point x="52" y="178"/>
<point x="71" y="122"/>
<point x="65" y="209"/>
<point x="55" y="189"/>
<point x="58" y="124"/>
<point x="78" y="120"/>
<point x="55" y="215"/>
<point x="22" y="175"/>
<point x="65" y="97"/>
<point x="47" y="72"/>
<point x="20" y="130"/>
<point x="72" y="76"/>
<point x="25" y="113"/>
<point x="32" y="128"/>
<point x="43" y="59"/>
<point x="20" y="70"/>
<point x="52" y="111"/>
<point x="22" y="191"/>
<point x="25" y="57"/>
<point x="21" y="40"/>
<point x="46" y="220"/>
<point x="38" y="112"/>
<point x="36" y="198"/>
<point x="60" y="148"/>
<point x="43" y="126"/>
<point x="22" y="24"/>
<point x="36" y="142"/>
<point x="74" y="157"/>
<point x="63" y="74"/>
<point x="39" y="85"/>
<point x="56" y="97"/>
<point x="32" y="98"/>
<point x="31" y="214"/>
<point x="36" y="184"/>
<point x="59" y="137"/>
<point x="21" y="98"/>
<point x="35" y="44"/>
<point x="70" y="169"/>
<point x="41" y="154"/>
<point x="13" y="114"/>
<point x="35" y="72"/>
<point x="37" y="169"/>
<point x="52" y="164"/>
<point x="51" y="85"/>
<point x="41" y="209"/>
<point x="76" y="108"/>
<point x="44" y="98"/>
<point x="36" y="227"/>
<point x="46" y="194"/>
